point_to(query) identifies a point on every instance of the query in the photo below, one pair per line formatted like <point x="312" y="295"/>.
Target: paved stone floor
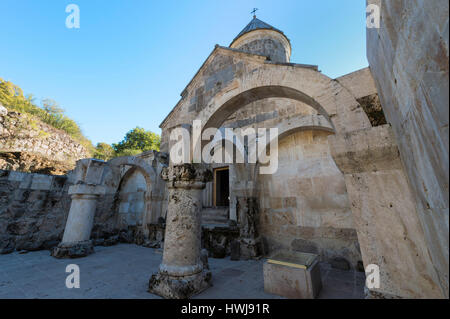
<point x="123" y="271"/>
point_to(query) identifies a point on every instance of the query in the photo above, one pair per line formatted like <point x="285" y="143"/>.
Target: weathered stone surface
<point x="181" y="273"/>
<point x="34" y="207"/>
<point x="22" y="133"/>
<point x="218" y="240"/>
<point x="293" y="282"/>
<point x="380" y="195"/>
<point x="247" y="210"/>
<point x="32" y="163"/>
<point x="372" y="106"/>
<point x="409" y="59"/>
<point x="73" y="250"/>
<point x="304" y="246"/>
<point x="30" y="219"/>
<point x="179" y="287"/>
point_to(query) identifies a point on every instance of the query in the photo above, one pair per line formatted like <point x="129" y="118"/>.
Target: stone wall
<point x="389" y="231"/>
<point x="34" y="207"/>
<point x="24" y="133"/>
<point x="269" y="47"/>
<point x="409" y="59"/>
<point x="304" y="205"/>
<point x="33" y="163"/>
<point x="134" y="207"/>
<point x="33" y="210"/>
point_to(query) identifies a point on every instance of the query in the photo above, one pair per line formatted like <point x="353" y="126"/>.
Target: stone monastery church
<point x="350" y="185"/>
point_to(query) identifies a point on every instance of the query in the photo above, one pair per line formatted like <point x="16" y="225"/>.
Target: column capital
<point x="186" y="176"/>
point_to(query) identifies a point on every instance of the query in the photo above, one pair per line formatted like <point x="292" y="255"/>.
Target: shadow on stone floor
<point x="122" y="272"/>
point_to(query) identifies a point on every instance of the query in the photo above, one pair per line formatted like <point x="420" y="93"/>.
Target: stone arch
<point x="327" y="96"/>
<point x="140" y="165"/>
<point x="285" y="128"/>
<point x="147" y="170"/>
<point x="132" y="197"/>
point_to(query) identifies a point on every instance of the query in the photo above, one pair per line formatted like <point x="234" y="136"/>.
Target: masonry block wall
<point x="409" y="60"/>
<point x="33" y="210"/>
<point x="24" y="133"/>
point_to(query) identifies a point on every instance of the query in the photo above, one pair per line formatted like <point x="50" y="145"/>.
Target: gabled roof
<point x="217" y="49"/>
<point x="256" y="24"/>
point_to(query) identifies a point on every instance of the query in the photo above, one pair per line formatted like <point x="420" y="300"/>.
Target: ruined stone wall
<point x="24" y="133"/>
<point x="33" y="163"/>
<point x="34" y="207"/>
<point x="134" y="205"/>
<point x="409" y="60"/>
<point x="33" y="210"/>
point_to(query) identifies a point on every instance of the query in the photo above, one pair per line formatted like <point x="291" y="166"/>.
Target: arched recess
<point x="147" y="171"/>
<point x="285" y="128"/>
<point x="132" y="195"/>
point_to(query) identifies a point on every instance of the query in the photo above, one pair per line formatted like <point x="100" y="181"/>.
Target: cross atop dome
<point x="254" y="12"/>
<point x="257" y="24"/>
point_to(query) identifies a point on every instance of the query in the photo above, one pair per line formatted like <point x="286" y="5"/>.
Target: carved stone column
<point x="182" y="273"/>
<point x="76" y="240"/>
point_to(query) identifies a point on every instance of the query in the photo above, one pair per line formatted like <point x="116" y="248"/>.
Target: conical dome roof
<point x="256" y="24"/>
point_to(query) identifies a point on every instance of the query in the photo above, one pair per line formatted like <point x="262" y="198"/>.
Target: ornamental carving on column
<point x="186" y="175"/>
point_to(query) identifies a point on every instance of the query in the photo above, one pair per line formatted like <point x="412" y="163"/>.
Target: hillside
<point x="37" y="139"/>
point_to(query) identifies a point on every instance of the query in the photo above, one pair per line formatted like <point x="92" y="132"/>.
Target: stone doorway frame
<point x="215" y="170"/>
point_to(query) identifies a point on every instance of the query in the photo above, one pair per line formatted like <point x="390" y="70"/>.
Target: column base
<point x="170" y="287"/>
<point x="73" y="250"/>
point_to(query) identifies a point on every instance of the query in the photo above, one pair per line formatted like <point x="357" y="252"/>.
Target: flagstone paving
<point x="122" y="272"/>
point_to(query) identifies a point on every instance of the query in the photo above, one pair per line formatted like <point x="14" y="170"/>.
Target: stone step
<point x="215" y="221"/>
<point x="215" y="215"/>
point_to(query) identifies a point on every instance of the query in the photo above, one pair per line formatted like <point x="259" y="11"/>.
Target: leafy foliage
<point x="137" y="141"/>
<point x="104" y="152"/>
<point x="12" y="97"/>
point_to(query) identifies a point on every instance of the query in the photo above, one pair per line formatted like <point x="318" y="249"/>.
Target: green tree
<point x="137" y="141"/>
<point x="104" y="152"/>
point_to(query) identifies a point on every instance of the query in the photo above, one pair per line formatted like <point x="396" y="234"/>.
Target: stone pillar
<point x="248" y="213"/>
<point x="85" y="192"/>
<point x="76" y="240"/>
<point x="182" y="273"/>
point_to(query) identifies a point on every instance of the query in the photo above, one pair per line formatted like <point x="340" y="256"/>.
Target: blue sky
<point x="130" y="60"/>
